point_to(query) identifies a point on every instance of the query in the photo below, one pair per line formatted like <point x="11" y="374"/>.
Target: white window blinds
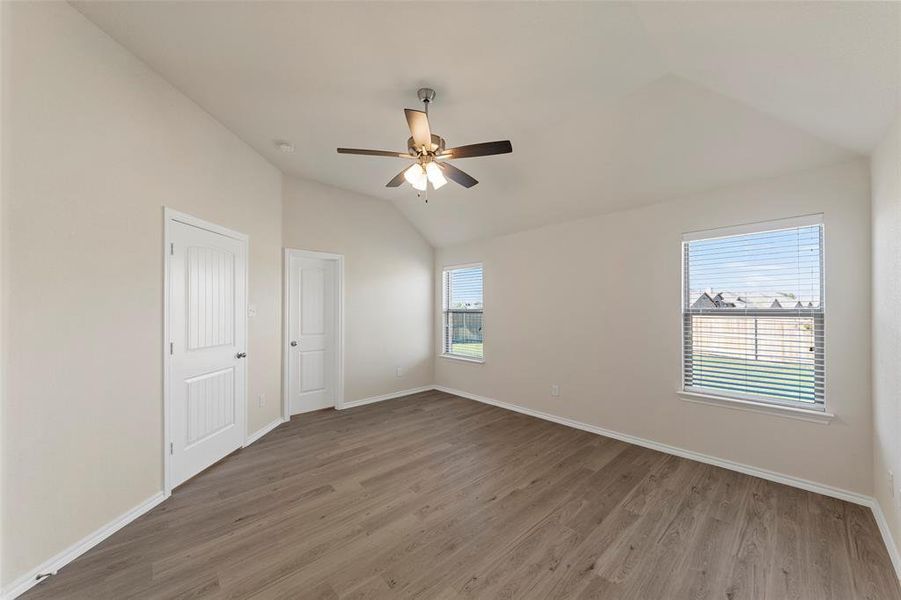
<point x="462" y="313"/>
<point x="753" y="313"/>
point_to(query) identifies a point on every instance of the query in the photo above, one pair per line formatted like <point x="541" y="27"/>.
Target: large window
<point x="753" y="313"/>
<point x="462" y="316"/>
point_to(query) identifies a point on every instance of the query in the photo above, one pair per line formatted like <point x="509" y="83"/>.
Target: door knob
<point x="240" y="355"/>
<point x="293" y="344"/>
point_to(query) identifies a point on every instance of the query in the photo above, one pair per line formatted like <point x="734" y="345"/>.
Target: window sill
<point x="790" y="412"/>
<point x="477" y="361"/>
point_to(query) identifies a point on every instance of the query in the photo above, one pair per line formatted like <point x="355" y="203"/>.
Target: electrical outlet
<point x="555" y="390"/>
<point x="262" y="399"/>
<point x="891" y="482"/>
<point x="400" y="371"/>
<point x="252" y="311"/>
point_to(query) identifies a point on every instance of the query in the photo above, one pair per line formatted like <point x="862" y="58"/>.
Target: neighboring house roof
<point x="726" y="299"/>
<point x="705" y="300"/>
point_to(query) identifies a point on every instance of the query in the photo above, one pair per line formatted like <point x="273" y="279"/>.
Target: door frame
<point x="339" y="325"/>
<point x="171" y="217"/>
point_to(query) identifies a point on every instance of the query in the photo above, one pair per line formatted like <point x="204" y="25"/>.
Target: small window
<point x="753" y="313"/>
<point x="462" y="312"/>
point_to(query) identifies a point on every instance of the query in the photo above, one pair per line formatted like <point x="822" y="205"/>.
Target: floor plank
<point x="434" y="496"/>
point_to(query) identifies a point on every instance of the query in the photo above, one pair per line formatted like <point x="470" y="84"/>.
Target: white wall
<point x="388" y="283"/>
<point x="886" y="182"/>
<point x="594" y="306"/>
<point x="98" y="144"/>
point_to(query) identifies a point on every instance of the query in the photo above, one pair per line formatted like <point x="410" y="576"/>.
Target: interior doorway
<point x="205" y="345"/>
<point x="314" y="360"/>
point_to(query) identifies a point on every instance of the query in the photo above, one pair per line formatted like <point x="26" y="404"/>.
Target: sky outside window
<point x="759" y="268"/>
<point x="465" y="287"/>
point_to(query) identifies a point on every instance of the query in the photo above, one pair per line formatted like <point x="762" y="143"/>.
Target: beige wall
<point x="4" y="270"/>
<point x="593" y="305"/>
<point x="95" y="144"/>
<point x="388" y="283"/>
<point x="99" y="144"/>
<point x="886" y="182"/>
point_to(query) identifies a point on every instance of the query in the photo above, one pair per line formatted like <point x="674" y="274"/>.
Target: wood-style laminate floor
<point x="433" y="496"/>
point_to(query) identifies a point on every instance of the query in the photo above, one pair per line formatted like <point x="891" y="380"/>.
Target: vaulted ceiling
<point x="608" y="105"/>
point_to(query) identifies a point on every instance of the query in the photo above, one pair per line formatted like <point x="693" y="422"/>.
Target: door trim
<point x="339" y="324"/>
<point x="170" y="217"/>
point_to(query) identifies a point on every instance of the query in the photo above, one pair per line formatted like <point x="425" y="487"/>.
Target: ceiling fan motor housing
<point x="437" y="145"/>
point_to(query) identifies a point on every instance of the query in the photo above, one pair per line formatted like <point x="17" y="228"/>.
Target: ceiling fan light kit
<point x="435" y="175"/>
<point x="416" y="176"/>
<point x="429" y="152"/>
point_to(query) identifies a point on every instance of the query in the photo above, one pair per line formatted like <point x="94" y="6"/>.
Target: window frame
<point x="751" y="401"/>
<point x="444" y="309"/>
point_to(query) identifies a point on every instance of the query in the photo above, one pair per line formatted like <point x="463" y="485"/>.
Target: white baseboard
<point x="389" y="396"/>
<point x="263" y="431"/>
<point x="27" y="581"/>
<point x="886" y="535"/>
<point x="797" y="482"/>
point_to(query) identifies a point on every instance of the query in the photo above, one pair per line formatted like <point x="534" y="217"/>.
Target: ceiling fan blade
<point x="419" y="127"/>
<point x="455" y="174"/>
<point x="372" y="152"/>
<point x="483" y="149"/>
<point x="398" y="179"/>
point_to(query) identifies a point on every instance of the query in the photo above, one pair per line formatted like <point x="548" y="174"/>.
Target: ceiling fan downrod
<point x="426" y="96"/>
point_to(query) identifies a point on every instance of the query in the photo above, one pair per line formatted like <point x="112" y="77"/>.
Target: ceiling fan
<point x="429" y="152"/>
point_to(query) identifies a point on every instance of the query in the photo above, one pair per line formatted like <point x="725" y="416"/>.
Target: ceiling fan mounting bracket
<point x="426" y="95"/>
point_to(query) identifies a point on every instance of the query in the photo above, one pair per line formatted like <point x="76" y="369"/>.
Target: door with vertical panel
<point x="207" y="366"/>
<point x="311" y="327"/>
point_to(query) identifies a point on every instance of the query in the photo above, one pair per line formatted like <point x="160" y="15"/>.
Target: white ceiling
<point x="608" y="105"/>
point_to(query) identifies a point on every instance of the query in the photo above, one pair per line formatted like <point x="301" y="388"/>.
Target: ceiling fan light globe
<point x="416" y="176"/>
<point x="436" y="177"/>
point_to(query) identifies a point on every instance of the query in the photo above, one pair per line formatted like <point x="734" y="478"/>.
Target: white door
<point x="207" y="333"/>
<point x="311" y="333"/>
